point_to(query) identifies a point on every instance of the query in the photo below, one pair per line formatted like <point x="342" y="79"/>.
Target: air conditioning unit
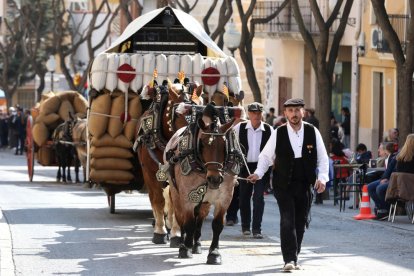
<point x="376" y="38"/>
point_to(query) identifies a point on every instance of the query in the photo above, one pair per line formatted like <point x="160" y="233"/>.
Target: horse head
<point x="175" y="120"/>
<point x="212" y="148"/>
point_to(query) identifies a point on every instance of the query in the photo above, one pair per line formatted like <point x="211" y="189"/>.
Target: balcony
<point x="284" y="24"/>
<point x="399" y="23"/>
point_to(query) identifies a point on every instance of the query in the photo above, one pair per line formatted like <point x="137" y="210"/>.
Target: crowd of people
<point x="13" y="128"/>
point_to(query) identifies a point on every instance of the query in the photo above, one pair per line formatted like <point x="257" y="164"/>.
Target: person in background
<point x="300" y="164"/>
<point x="405" y="159"/>
<point x="378" y="188"/>
<point x="310" y="118"/>
<point x="278" y="121"/>
<point x="392" y="137"/>
<point x="253" y="135"/>
<point x="363" y="155"/>
<point x="385" y="150"/>
<point x="270" y="116"/>
<point x="11" y="124"/>
<point x="3" y="129"/>
<point x="346" y="125"/>
<point x="20" y="131"/>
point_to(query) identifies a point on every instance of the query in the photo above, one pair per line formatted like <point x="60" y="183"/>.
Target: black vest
<point x="243" y="136"/>
<point x="285" y="157"/>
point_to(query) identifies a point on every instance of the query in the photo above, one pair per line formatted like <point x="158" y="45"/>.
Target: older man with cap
<point x="300" y="163"/>
<point x="253" y="136"/>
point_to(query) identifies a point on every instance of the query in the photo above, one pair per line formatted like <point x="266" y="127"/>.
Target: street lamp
<point x="51" y="67"/>
<point x="232" y="37"/>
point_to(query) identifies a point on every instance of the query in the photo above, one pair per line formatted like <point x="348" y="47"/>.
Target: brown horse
<point x="157" y="125"/>
<point x="79" y="140"/>
<point x="204" y="165"/>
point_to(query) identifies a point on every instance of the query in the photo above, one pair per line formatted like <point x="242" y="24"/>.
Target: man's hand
<point x="253" y="178"/>
<point x="319" y="186"/>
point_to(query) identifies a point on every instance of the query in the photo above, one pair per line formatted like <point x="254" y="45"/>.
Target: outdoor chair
<point x="401" y="191"/>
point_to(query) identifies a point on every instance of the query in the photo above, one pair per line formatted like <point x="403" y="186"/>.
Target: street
<point x="49" y="228"/>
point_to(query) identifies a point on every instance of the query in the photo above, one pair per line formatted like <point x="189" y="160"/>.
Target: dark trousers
<point x="20" y="143"/>
<point x="293" y="203"/>
<point x="234" y="205"/>
<point x="245" y="196"/>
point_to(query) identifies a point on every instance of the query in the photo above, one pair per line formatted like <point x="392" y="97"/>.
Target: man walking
<point x="300" y="163"/>
<point x="253" y="135"/>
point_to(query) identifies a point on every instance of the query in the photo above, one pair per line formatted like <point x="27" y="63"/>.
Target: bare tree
<point x="323" y="52"/>
<point x="185" y="6"/>
<point x="246" y="42"/>
<point x="68" y="37"/>
<point x="404" y="63"/>
<point x="14" y="66"/>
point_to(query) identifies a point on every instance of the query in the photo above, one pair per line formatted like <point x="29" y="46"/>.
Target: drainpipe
<point x="359" y="39"/>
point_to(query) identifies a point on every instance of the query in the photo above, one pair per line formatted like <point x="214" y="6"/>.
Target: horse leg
<point x="157" y="203"/>
<point x="214" y="256"/>
<point x="185" y="250"/>
<point x="58" y="175"/>
<point x="77" y="165"/>
<point x="197" y="234"/>
<point x="171" y="222"/>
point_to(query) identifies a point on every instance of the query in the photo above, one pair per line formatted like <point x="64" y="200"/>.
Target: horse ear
<point x="226" y="126"/>
<point x="71" y="116"/>
<point x="200" y="122"/>
<point x="173" y="93"/>
<point x="199" y="90"/>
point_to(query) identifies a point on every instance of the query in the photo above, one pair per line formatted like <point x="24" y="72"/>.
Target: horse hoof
<point x="159" y="238"/>
<point x="175" y="242"/>
<point x="214" y="258"/>
<point x="196" y="248"/>
<point x="184" y="253"/>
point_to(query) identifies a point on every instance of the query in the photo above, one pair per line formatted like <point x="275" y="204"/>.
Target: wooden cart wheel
<point x="29" y="149"/>
<point x="111" y="203"/>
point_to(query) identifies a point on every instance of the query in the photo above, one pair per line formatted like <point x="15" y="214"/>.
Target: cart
<point x="148" y="43"/>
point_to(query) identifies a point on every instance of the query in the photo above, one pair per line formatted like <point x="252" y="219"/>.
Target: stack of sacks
<point x="54" y="109"/>
<point x="111" y="131"/>
<point x="167" y="66"/>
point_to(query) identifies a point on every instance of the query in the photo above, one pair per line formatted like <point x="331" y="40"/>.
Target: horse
<point x="79" y="139"/>
<point x="204" y="161"/>
<point x="157" y="125"/>
<point x="66" y="154"/>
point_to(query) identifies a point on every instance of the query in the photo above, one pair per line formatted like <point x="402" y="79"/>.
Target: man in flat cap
<point x="253" y="136"/>
<point x="300" y="163"/>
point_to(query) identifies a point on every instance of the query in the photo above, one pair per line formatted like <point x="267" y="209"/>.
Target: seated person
<point x="405" y="159"/>
<point x="338" y="157"/>
<point x="385" y="150"/>
<point x="363" y="155"/>
<point x="378" y="188"/>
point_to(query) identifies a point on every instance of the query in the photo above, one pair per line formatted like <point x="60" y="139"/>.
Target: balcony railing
<point x="285" y="22"/>
<point x="399" y="23"/>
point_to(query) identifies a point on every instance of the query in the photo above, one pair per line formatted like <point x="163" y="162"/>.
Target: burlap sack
<point x="108" y="152"/>
<point x="50" y="105"/>
<point x="135" y="111"/>
<point x="40" y="133"/>
<point x="46" y="96"/>
<point x="45" y="156"/>
<point x="111" y="164"/>
<point x="47" y="119"/>
<point x="80" y="104"/>
<point x="110" y="175"/>
<point x="108" y="141"/>
<point x="67" y="95"/>
<point x="98" y="123"/>
<point x="115" y="125"/>
<point x="64" y="110"/>
<point x="81" y="115"/>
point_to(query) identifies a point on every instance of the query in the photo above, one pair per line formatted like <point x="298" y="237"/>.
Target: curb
<point x="6" y="247"/>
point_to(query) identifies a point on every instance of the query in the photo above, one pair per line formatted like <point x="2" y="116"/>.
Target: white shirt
<point x="267" y="156"/>
<point x="254" y="139"/>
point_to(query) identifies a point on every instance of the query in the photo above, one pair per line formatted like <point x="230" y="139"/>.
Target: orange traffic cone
<point x="365" y="209"/>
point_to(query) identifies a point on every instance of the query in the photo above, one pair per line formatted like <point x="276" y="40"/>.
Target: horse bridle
<point x="219" y="166"/>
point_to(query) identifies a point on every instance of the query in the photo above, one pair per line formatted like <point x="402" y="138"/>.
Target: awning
<point x="186" y="20"/>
